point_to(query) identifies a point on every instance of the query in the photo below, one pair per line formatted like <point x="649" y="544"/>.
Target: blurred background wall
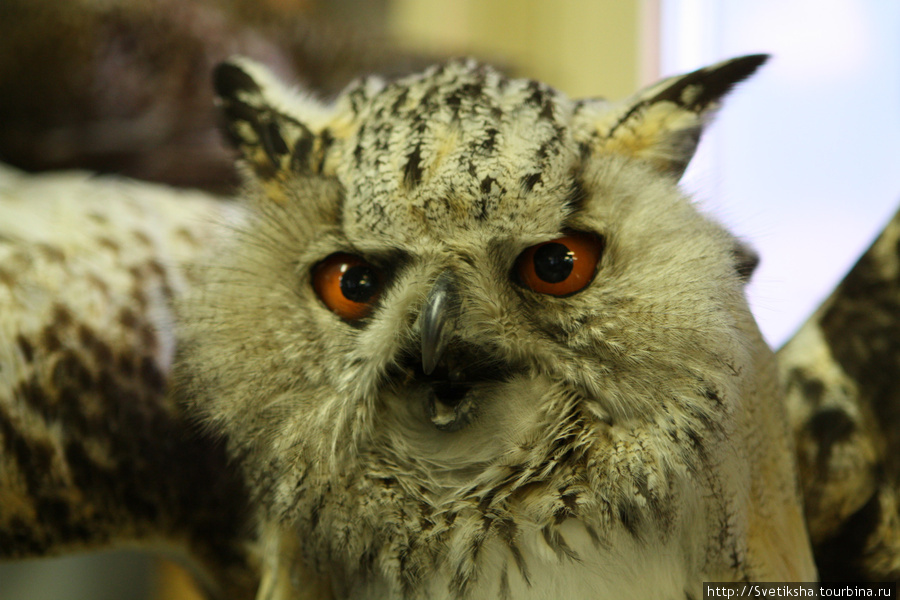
<point x="804" y="162"/>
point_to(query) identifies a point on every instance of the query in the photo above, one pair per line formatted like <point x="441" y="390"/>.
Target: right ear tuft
<point x="229" y="80"/>
<point x="264" y="121"/>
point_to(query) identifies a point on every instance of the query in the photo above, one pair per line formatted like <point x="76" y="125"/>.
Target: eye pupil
<point x="347" y="285"/>
<point x="359" y="283"/>
<point x="560" y="267"/>
<point x="553" y="262"/>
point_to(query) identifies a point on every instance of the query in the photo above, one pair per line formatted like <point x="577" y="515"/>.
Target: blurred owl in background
<point x="471" y="341"/>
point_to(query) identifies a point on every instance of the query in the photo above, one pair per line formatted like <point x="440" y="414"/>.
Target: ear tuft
<point x="663" y="123"/>
<point x="229" y="80"/>
<point x="702" y="89"/>
<point x="267" y="122"/>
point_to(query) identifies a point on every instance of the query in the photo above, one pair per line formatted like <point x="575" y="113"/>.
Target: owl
<point x="470" y="340"/>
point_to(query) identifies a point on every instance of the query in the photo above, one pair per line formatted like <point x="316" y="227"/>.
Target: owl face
<point x="465" y="314"/>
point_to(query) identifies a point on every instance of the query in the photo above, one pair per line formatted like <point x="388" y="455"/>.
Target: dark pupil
<point x="358" y="283"/>
<point x="553" y="262"/>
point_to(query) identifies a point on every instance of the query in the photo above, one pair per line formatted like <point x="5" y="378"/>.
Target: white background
<point x="804" y="159"/>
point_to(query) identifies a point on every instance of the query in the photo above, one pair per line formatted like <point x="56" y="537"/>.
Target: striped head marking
<point x="459" y="143"/>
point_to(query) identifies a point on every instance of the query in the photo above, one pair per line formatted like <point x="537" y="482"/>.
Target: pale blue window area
<point x="804" y="161"/>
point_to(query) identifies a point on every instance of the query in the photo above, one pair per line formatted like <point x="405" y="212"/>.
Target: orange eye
<point x="562" y="266"/>
<point x="347" y="285"/>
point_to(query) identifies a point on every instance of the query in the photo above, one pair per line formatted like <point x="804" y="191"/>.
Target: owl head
<point x="458" y="295"/>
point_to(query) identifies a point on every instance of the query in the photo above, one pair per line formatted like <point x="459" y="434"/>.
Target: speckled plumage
<point x="840" y="373"/>
<point x="92" y="452"/>
<point x="628" y="440"/>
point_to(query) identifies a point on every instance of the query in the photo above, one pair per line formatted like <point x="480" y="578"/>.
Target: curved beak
<point x="437" y="321"/>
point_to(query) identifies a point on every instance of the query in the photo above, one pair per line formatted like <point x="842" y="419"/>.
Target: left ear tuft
<point x="662" y="124"/>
